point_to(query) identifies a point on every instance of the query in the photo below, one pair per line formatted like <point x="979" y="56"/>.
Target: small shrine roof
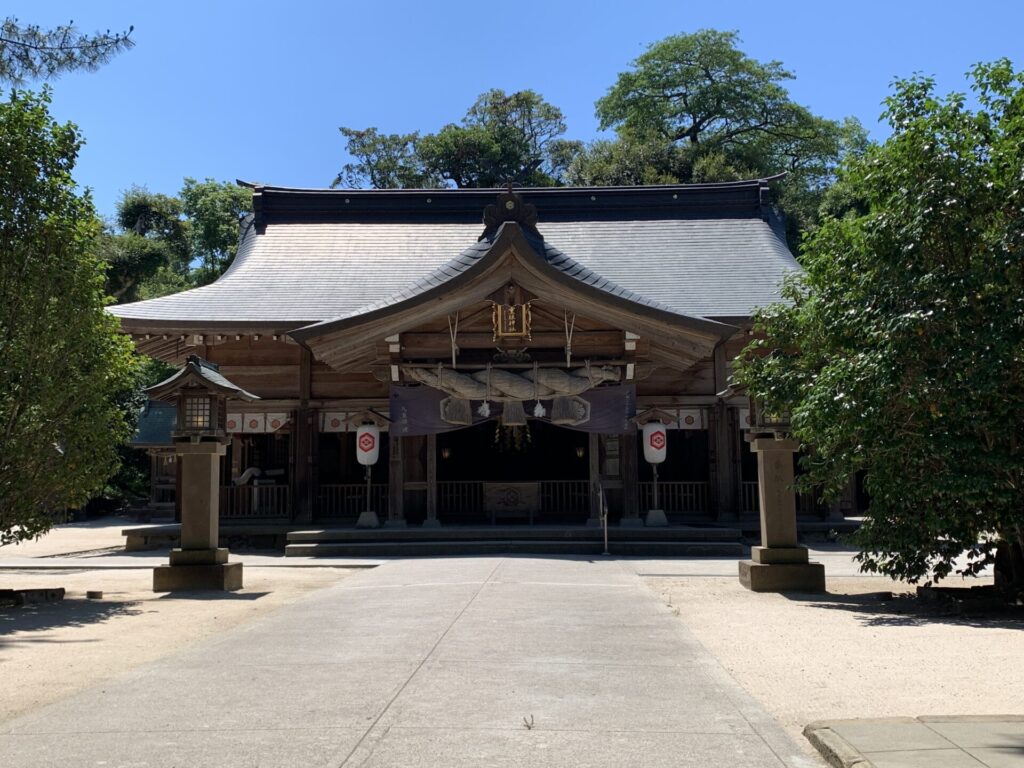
<point x="197" y="371"/>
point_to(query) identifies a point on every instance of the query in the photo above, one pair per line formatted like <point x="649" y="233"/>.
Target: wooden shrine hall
<point x="505" y="347"/>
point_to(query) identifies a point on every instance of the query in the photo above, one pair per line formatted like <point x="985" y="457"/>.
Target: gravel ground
<point x="849" y="654"/>
<point x="48" y="652"/>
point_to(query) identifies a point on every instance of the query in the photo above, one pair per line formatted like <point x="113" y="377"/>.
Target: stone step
<point x="515" y="546"/>
<point x="670" y="533"/>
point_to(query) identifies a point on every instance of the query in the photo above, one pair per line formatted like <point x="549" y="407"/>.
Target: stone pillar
<point x="396" y="483"/>
<point x="199" y="563"/>
<point x="630" y="480"/>
<point x="780" y="564"/>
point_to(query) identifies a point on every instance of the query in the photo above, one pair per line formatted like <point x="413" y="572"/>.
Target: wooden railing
<point x="678" y="497"/>
<point x="349" y="500"/>
<point x="460" y="500"/>
<point x="565" y="497"/>
<point x="254" y="501"/>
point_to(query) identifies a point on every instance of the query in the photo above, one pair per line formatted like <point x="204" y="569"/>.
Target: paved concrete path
<point x="436" y="662"/>
<point x="980" y="741"/>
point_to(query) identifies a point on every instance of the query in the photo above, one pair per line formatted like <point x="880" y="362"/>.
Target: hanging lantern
<point x="655" y="442"/>
<point x="368" y="444"/>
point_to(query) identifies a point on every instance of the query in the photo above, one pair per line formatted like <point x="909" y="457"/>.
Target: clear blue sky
<point x="257" y="90"/>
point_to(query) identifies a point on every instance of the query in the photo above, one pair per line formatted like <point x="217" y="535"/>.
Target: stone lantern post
<point x="200" y="394"/>
<point x="780" y="564"/>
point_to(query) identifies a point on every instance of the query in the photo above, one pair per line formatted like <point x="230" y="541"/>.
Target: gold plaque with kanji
<point x="511" y="321"/>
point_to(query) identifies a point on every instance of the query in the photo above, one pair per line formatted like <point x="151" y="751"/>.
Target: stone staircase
<point x="670" y="541"/>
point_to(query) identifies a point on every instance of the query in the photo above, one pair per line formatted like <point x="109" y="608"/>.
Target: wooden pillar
<point x="724" y="463"/>
<point x="302" y="453"/>
<point x="396" y="483"/>
<point x="303" y="437"/>
<point x="630" y="479"/>
<point x="723" y="446"/>
<point x="154" y="476"/>
<point x="431" y="521"/>
<point x="594" y="460"/>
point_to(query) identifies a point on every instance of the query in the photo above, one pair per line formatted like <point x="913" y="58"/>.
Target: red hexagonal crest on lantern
<point x="366" y="442"/>
<point x="657" y="440"/>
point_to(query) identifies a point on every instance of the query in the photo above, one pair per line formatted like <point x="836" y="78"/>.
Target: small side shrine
<point x="200" y="394"/>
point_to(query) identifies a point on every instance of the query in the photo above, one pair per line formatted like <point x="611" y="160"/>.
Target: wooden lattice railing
<point x="254" y="502"/>
<point x="342" y="500"/>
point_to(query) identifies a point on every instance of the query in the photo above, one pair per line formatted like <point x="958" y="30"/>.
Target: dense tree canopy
<point x="28" y="52"/>
<point x="161" y="244"/>
<point x="65" y="371"/>
<point x="502" y="137"/>
<point x="901" y="352"/>
<point x="694" y="108"/>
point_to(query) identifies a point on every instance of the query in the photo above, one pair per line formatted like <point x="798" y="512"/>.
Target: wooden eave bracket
<point x="654" y="414"/>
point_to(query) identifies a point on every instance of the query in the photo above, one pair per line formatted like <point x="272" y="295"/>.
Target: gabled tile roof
<point x="319" y="260"/>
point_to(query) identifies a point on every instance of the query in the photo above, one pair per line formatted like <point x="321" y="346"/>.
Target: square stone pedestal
<point x="655" y="518"/>
<point x="781" y="569"/>
<point x="198" y="569"/>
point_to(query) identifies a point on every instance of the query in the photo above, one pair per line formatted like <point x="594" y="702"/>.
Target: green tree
<point x="151" y="236"/>
<point x="695" y="108"/>
<point x="901" y="351"/>
<point x="214" y="211"/>
<point x="64" y="368"/>
<point x="28" y="52"/>
<point x="502" y="137"/>
<point x="383" y="161"/>
<point x="164" y="244"/>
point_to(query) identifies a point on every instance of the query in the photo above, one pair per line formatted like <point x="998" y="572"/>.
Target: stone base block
<point x="175" y="578"/>
<point x="435" y="523"/>
<point x="368" y="519"/>
<point x="775" y="555"/>
<point x="782" y="577"/>
<point x="216" y="556"/>
<point x="655" y="518"/>
<point x="399" y="523"/>
<point x="631" y="522"/>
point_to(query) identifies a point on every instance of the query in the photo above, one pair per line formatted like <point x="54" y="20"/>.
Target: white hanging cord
<point x="485" y="407"/>
<point x="568" y="336"/>
<point x="538" y="410"/>
<point x="453" y="331"/>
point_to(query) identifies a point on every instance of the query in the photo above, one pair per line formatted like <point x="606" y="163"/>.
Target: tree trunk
<point x="1009" y="566"/>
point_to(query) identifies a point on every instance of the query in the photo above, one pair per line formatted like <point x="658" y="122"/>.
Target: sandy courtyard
<point x="847" y="654"/>
<point x="48" y="652"/>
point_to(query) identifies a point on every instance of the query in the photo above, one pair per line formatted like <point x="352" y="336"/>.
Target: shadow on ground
<point x="883" y="609"/>
<point x="37" y="619"/>
<point x="211" y="594"/>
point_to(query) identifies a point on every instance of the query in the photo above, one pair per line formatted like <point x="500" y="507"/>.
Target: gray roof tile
<point x="296" y="274"/>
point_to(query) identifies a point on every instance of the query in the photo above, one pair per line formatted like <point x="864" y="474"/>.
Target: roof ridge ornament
<point x="510" y="207"/>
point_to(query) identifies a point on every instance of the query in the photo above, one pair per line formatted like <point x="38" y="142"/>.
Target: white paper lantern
<point x="655" y="442"/>
<point x="368" y="444"/>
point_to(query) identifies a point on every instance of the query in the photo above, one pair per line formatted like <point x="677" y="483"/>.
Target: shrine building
<point x="506" y="347"/>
